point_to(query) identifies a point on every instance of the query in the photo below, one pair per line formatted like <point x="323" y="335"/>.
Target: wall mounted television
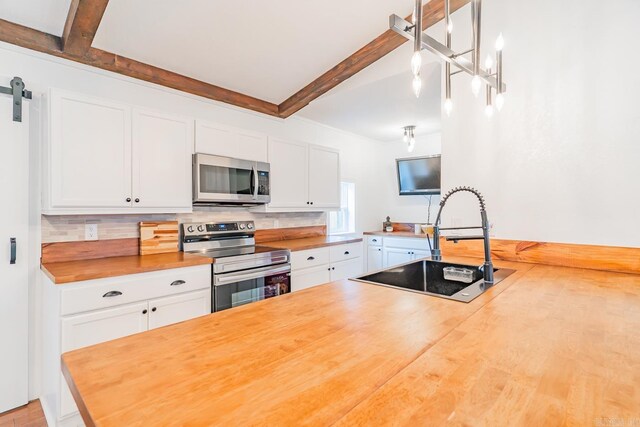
<point x="419" y="175"/>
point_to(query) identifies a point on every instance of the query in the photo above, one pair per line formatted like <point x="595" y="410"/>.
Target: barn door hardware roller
<point x="17" y="90"/>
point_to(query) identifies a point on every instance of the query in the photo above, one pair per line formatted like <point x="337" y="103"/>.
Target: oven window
<point x="248" y="291"/>
<point x="223" y="180"/>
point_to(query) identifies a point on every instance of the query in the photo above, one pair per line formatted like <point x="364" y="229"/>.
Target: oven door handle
<point x="255" y="274"/>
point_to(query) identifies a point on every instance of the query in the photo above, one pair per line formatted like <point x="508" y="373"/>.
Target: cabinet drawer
<point x="345" y="252"/>
<point x="309" y="258"/>
<point x="374" y="240"/>
<point x="102" y="293"/>
<point x="346" y="269"/>
<point x="406" y="243"/>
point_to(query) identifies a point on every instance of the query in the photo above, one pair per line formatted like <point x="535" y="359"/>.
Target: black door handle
<point x="346" y="252"/>
<point x="13" y="250"/>
<point x="311" y="258"/>
<point x="112" y="294"/>
<point x="178" y="283"/>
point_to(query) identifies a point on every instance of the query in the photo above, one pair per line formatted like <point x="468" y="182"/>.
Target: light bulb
<point x="450" y="26"/>
<point x="476" y="85"/>
<point x="488" y="64"/>
<point x="448" y="106"/>
<point x="500" y="42"/>
<point x="416" y="63"/>
<point x="417" y="85"/>
<point x="412" y="144"/>
<point x="489" y="111"/>
<point x="499" y="101"/>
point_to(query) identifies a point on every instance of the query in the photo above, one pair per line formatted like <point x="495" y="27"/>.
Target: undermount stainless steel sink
<point x="428" y="277"/>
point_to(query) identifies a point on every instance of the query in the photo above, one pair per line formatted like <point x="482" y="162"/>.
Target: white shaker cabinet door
<point x="89" y="152"/>
<point x="91" y="328"/>
<point x="324" y="177"/>
<point x="374" y="258"/>
<point x="289" y="174"/>
<point x="162" y="146"/>
<point x="215" y="139"/>
<point x="252" y="146"/>
<point x="393" y="257"/>
<point x="346" y="269"/>
<point x="308" y="277"/>
<point x="178" y="308"/>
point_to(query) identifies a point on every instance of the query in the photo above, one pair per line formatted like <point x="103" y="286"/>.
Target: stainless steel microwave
<point x="226" y="181"/>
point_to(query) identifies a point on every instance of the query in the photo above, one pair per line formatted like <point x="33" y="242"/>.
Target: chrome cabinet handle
<point x="311" y="258"/>
<point x="111" y="294"/>
<point x="178" y="283"/>
<point x="12" y="240"/>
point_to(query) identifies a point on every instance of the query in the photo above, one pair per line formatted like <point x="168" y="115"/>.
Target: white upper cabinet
<point x="162" y="147"/>
<point x="221" y="140"/>
<point x="303" y="176"/>
<point x="289" y="174"/>
<point x="103" y="157"/>
<point x="324" y="177"/>
<point x="89" y="153"/>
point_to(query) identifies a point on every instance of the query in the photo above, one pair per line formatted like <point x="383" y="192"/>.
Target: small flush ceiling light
<point x="461" y="63"/>
<point x="409" y="137"/>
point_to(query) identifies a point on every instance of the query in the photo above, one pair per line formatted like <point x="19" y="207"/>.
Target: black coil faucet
<point x="436" y="254"/>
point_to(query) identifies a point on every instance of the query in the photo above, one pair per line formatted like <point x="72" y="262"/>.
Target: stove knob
<point x="241" y="226"/>
<point x="190" y="229"/>
<point x="201" y="228"/>
<point x="249" y="226"/>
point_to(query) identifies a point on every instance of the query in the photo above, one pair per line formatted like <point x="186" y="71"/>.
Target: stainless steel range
<point x="242" y="272"/>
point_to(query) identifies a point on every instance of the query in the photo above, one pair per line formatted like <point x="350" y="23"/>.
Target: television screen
<point x="419" y="175"/>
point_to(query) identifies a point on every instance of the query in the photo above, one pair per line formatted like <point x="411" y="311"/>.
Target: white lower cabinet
<point x="178" y="308"/>
<point x="91" y="312"/>
<point x="385" y="252"/>
<point x="374" y="258"/>
<point x="322" y="265"/>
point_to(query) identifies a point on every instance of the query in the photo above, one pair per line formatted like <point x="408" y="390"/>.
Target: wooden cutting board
<point x="158" y="237"/>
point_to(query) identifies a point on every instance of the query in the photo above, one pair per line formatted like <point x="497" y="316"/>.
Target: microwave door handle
<point x="255" y="182"/>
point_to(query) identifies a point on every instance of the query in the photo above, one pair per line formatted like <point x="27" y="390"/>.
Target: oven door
<point x="224" y="180"/>
<point x="244" y="287"/>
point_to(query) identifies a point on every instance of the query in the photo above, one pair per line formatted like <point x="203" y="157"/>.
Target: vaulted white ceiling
<point x="267" y="49"/>
<point x="44" y="15"/>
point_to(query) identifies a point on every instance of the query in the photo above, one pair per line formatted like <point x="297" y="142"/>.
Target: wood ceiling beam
<point x="385" y="43"/>
<point x="82" y="24"/>
<point x="29" y="38"/>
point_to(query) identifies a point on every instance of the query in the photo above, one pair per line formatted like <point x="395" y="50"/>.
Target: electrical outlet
<point x="91" y="232"/>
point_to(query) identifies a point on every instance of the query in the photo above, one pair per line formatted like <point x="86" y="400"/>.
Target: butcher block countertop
<point x="313" y="242"/>
<point x="87" y="269"/>
<point x="547" y="346"/>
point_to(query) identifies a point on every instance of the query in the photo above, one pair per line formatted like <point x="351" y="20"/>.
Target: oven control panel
<point x="208" y="228"/>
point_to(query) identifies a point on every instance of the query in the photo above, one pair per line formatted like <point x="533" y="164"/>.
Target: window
<point x="344" y="220"/>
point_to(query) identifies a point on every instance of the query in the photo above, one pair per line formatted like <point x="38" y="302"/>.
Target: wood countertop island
<point x="547" y="346"/>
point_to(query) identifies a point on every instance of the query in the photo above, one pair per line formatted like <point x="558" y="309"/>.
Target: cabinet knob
<point x="333" y="268"/>
<point x="128" y="199"/>
<point x="311" y="202"/>
<point x="307" y="202"/>
<point x="154" y="309"/>
<point x="144" y="311"/>
<point x="137" y="200"/>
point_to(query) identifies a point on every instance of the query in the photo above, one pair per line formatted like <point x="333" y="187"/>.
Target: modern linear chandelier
<point x="491" y="79"/>
<point x="410" y="137"/>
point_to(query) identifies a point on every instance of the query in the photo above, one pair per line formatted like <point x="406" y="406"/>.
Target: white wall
<point x="561" y="162"/>
<point x="411" y="209"/>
